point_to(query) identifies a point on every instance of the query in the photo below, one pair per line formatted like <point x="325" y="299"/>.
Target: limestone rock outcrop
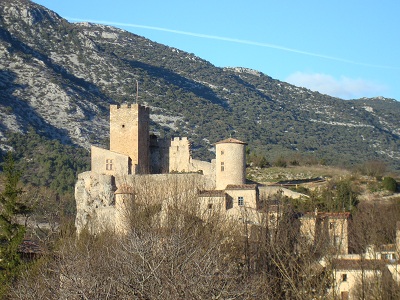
<point x="94" y="196"/>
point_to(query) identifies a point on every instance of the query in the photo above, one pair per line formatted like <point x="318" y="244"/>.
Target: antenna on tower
<point x="137" y="91"/>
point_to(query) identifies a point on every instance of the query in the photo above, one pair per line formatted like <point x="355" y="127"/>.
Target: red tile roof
<point x="231" y="140"/>
<point x="241" y="187"/>
<point x="330" y="215"/>
<point x="212" y="193"/>
<point x="357" y="264"/>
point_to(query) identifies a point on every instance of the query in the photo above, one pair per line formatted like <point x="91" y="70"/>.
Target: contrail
<point x="238" y="41"/>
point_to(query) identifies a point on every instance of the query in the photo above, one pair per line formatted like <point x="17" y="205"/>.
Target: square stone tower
<point x="129" y="134"/>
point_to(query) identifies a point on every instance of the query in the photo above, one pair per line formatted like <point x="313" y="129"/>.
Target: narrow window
<point x="344" y="277"/>
<point x="331" y="225"/>
<point x="240" y="201"/>
<point x="222" y="166"/>
<point x="388" y="256"/>
<point x="209" y="205"/>
<point x="222" y="152"/>
<point x="109" y="164"/>
<point x="336" y="240"/>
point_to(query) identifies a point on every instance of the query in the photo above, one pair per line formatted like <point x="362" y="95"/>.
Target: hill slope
<point x="59" y="78"/>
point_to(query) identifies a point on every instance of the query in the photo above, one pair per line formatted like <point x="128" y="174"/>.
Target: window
<point x="222" y="166"/>
<point x="222" y="152"/>
<point x="344" y="277"/>
<point x="209" y="205"/>
<point x="387" y="256"/>
<point x="331" y="225"/>
<point x="109" y="164"/>
<point x="240" y="201"/>
<point x="337" y="240"/>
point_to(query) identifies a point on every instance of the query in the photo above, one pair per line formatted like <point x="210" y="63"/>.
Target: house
<point x="363" y="275"/>
<point x="326" y="229"/>
<point x="358" y="278"/>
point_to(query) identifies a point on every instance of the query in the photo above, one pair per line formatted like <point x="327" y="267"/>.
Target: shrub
<point x="281" y="162"/>
<point x="389" y="184"/>
<point x="259" y="161"/>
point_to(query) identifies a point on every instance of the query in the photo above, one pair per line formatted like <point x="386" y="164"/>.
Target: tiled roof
<point x="241" y="187"/>
<point x="388" y="247"/>
<point x="231" y="140"/>
<point x="331" y="215"/>
<point x="28" y="246"/>
<point x="212" y="193"/>
<point x="357" y="264"/>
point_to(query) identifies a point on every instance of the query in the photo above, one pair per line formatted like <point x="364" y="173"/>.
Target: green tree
<point x="11" y="232"/>
<point x="337" y="196"/>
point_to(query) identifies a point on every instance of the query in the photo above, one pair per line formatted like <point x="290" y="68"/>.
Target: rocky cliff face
<point x="42" y="82"/>
<point x="95" y="204"/>
<point x="59" y="78"/>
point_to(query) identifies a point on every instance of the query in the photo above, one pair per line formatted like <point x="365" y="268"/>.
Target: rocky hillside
<point x="59" y="79"/>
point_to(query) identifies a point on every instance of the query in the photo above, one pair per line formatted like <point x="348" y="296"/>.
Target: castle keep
<point x="129" y="135"/>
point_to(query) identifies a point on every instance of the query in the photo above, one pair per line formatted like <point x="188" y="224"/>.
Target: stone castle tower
<point x="124" y="200"/>
<point x="129" y="134"/>
<point x="230" y="163"/>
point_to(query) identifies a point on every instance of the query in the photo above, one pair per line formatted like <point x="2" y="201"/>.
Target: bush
<point x="280" y="162"/>
<point x="258" y="161"/>
<point x="389" y="184"/>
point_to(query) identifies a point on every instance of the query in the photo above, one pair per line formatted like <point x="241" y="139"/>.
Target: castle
<point x="143" y="169"/>
<point x="136" y="156"/>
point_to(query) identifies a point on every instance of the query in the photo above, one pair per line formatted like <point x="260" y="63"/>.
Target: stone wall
<point x="107" y="162"/>
<point x="248" y="194"/>
<point x="95" y="198"/>
<point x="180" y="155"/>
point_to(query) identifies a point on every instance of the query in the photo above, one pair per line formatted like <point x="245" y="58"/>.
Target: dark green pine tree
<point x="11" y="232"/>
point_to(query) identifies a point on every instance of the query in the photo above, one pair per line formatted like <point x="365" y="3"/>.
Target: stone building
<point x="326" y="230"/>
<point x="102" y="193"/>
<point x="366" y="274"/>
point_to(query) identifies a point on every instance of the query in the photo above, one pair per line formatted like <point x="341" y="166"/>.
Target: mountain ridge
<point x="60" y="77"/>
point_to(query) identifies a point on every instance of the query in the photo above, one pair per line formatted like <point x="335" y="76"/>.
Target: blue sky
<point x="344" y="48"/>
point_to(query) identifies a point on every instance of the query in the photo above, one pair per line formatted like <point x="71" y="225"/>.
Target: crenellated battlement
<point x="177" y="139"/>
<point x="129" y="107"/>
<point x="181" y="142"/>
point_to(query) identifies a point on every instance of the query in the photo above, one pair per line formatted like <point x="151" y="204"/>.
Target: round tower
<point x="124" y="198"/>
<point x="230" y="163"/>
